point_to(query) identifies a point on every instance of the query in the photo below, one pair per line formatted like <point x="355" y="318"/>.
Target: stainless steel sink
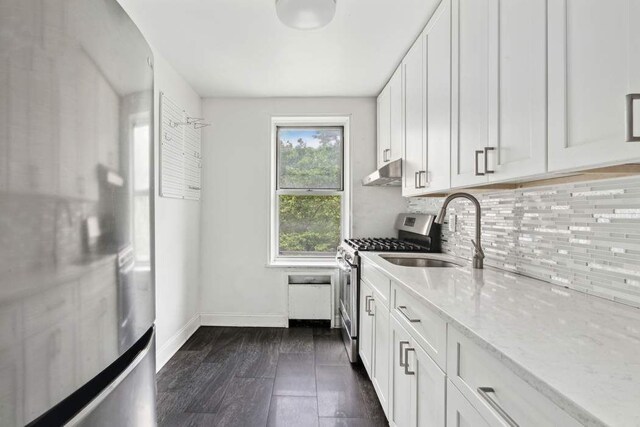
<point x="418" y="261"/>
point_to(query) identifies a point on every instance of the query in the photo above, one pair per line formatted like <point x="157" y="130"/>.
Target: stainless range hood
<point x="388" y="175"/>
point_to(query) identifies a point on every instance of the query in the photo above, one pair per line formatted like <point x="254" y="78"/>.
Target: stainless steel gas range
<point x="416" y="233"/>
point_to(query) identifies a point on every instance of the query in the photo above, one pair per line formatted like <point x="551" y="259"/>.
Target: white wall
<point x="177" y="226"/>
<point x="177" y="236"/>
<point x="237" y="286"/>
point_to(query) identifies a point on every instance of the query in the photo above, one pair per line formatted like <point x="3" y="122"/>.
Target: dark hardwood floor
<point x="248" y="377"/>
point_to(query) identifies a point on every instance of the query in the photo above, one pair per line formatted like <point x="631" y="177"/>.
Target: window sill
<point x="303" y="263"/>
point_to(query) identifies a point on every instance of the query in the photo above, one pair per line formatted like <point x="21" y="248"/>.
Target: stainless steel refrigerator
<point x="76" y="213"/>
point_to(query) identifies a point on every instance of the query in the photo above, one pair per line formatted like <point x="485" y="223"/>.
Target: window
<point x="308" y="180"/>
<point x="141" y="181"/>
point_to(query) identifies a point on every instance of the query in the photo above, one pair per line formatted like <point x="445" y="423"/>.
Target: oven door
<point x="349" y="289"/>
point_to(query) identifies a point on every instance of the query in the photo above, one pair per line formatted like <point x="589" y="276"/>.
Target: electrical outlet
<point x="452" y="222"/>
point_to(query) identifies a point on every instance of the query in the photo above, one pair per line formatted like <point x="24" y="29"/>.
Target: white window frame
<point x="275" y="259"/>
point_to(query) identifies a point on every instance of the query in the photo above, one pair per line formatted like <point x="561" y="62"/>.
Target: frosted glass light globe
<point x="305" y="14"/>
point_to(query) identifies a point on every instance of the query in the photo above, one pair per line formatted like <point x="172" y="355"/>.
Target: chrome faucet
<point x="478" y="253"/>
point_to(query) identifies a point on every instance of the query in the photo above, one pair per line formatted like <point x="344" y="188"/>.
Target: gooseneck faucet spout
<point x="478" y="253"/>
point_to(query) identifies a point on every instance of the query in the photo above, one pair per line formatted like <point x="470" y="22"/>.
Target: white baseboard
<point x="258" y="320"/>
<point x="169" y="348"/>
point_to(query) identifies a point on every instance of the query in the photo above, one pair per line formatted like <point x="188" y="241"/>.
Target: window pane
<point x="142" y="238"/>
<point x="141" y="158"/>
<point x="310" y="158"/>
<point x="309" y="225"/>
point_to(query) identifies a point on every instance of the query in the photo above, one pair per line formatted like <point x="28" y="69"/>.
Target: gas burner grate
<point x="383" y="244"/>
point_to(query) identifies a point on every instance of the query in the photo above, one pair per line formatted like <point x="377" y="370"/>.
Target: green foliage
<point x="301" y="166"/>
<point x="309" y="224"/>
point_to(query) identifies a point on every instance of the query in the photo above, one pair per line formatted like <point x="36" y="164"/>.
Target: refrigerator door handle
<point x="88" y="409"/>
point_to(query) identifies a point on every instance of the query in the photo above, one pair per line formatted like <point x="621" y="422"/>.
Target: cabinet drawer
<point x="426" y="327"/>
<point x="460" y="412"/>
<point x="495" y="391"/>
<point x="378" y="281"/>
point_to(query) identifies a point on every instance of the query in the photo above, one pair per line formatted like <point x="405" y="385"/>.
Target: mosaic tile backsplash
<point x="585" y="236"/>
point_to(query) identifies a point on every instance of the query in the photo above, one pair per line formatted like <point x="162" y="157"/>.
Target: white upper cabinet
<point x="519" y="35"/>
<point x="397" y="115"/>
<point x="390" y="120"/>
<point x="413" y="165"/>
<point x="472" y="112"/>
<point x="499" y="90"/>
<point x="437" y="43"/>
<point x="594" y="63"/>
<point x="427" y="79"/>
<point x="384" y="125"/>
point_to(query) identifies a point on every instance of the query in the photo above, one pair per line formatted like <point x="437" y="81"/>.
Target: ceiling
<point x="239" y="48"/>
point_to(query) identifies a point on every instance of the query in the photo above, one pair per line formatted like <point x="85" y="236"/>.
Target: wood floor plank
<point x="329" y="350"/>
<point x="259" y="354"/>
<point x="297" y="340"/>
<point x="210" y="382"/>
<point x="339" y="392"/>
<point x="246" y="403"/>
<point x="187" y="419"/>
<point x="202" y="339"/>
<point x="296" y="375"/>
<point x="178" y="370"/>
<point x="289" y="411"/>
<point x="226" y="347"/>
<point x="218" y="377"/>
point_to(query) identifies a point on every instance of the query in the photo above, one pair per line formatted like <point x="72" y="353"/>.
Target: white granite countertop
<point x="581" y="351"/>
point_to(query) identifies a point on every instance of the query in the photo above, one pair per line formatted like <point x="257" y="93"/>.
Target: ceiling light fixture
<point x="305" y="14"/>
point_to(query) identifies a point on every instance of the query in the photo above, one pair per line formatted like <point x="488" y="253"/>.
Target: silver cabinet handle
<point x="415" y="180"/>
<point x="425" y="179"/>
<point x="406" y="361"/>
<point x="368" y="304"/>
<point x="478" y="153"/>
<point x="630" y="132"/>
<point x="486" y="159"/>
<point x="403" y="310"/>
<point x="484" y="393"/>
<point x="402" y="344"/>
<point x="385" y="157"/>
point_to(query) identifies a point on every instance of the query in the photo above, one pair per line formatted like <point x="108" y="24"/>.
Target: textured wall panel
<point x="585" y="236"/>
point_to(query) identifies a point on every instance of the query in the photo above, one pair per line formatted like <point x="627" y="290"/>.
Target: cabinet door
<point x="460" y="413"/>
<point x="471" y="85"/>
<point x="437" y="42"/>
<point x="384" y="125"/>
<point x="397" y="115"/>
<point x="518" y="33"/>
<point x="594" y="62"/>
<point x="414" y="98"/>
<point x="366" y="326"/>
<point x="400" y="383"/>
<point x="380" y="371"/>
<point x="429" y="388"/>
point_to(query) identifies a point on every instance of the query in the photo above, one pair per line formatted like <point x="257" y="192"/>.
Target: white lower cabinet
<point x="418" y="384"/>
<point x="374" y="340"/>
<point x="501" y="397"/>
<point x="380" y="362"/>
<point x="366" y="326"/>
<point x="427" y="373"/>
<point x="461" y="413"/>
<point x="400" y="390"/>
